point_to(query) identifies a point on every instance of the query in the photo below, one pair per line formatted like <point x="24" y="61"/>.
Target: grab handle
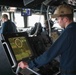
<point x="14" y="63"/>
<point x="33" y="71"/>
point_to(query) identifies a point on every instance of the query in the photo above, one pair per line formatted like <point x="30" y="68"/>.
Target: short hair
<point x="5" y="16"/>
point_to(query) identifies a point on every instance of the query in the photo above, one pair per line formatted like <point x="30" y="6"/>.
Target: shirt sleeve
<point x="4" y="28"/>
<point x="57" y="48"/>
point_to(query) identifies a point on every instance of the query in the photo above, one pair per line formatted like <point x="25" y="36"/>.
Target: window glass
<point x="35" y="18"/>
<point x="19" y="20"/>
<point x="75" y="16"/>
<point x="55" y="23"/>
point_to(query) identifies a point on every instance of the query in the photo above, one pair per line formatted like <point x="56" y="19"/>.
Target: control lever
<point x="18" y="68"/>
<point x="32" y="71"/>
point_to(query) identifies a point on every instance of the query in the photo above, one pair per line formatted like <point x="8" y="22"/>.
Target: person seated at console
<point x="37" y="29"/>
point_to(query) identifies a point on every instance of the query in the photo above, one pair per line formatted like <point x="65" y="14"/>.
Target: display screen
<point x="20" y="47"/>
<point x="26" y="12"/>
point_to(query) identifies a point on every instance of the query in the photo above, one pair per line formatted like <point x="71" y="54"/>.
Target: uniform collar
<point x="71" y="24"/>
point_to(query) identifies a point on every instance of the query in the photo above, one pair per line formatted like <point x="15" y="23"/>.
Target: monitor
<point x="26" y="12"/>
<point x="19" y="45"/>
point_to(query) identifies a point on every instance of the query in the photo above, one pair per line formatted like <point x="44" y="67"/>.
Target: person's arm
<point x="57" y="48"/>
<point x="4" y="28"/>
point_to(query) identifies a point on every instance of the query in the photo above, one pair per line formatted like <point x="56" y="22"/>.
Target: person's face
<point x="61" y="21"/>
<point x="3" y="19"/>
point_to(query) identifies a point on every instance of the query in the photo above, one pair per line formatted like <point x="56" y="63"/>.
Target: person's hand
<point x="23" y="65"/>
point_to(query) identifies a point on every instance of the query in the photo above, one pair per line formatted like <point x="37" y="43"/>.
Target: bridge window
<point x="19" y="20"/>
<point x="75" y="16"/>
<point x="35" y="18"/>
